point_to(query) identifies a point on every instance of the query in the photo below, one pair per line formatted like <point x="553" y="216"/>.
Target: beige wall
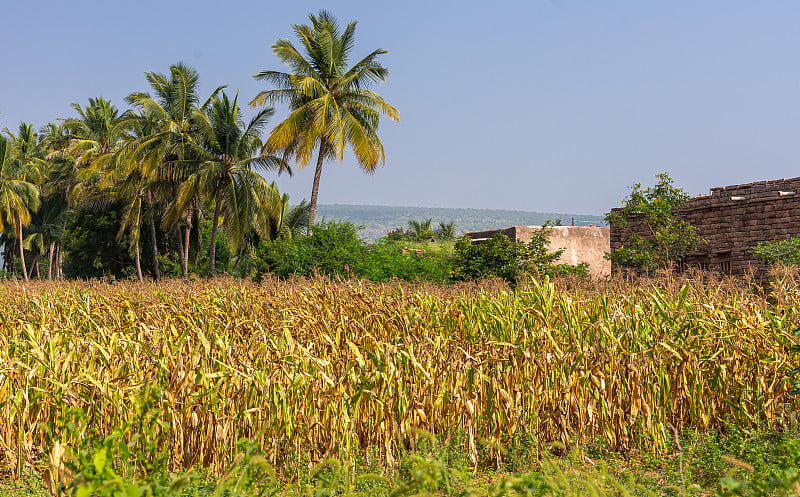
<point x="580" y="243"/>
<point x="583" y="244"/>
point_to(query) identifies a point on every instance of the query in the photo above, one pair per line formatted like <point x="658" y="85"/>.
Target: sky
<point x="550" y="106"/>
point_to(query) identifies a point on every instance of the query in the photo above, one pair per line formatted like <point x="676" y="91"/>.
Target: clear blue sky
<point x="554" y="106"/>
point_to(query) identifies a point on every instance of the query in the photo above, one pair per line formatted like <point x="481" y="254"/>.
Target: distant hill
<point x="378" y="220"/>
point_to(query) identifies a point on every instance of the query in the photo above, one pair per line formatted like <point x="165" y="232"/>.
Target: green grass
<point x="704" y="458"/>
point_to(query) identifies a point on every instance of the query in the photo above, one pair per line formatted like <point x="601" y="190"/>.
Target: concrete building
<point x="580" y="243"/>
<point x="734" y="219"/>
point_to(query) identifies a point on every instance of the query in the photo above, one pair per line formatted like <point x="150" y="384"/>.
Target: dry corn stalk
<point x="335" y="369"/>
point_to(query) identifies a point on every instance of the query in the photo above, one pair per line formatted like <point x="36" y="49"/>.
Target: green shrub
<point x="785" y="252"/>
<point x="386" y="260"/>
<point x="335" y="249"/>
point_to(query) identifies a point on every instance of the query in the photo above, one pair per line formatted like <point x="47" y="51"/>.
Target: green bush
<point x="335" y="249"/>
<point x="386" y="260"/>
<point x="785" y="252"/>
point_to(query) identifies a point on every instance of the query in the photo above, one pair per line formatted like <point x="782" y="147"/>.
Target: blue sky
<point x="554" y="106"/>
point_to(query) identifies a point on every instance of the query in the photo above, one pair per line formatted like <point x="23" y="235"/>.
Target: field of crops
<point x="318" y="368"/>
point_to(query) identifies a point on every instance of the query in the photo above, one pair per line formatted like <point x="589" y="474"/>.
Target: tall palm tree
<point x="174" y="102"/>
<point x="60" y="180"/>
<point x="134" y="178"/>
<point x="18" y="196"/>
<point x="331" y="107"/>
<point x="231" y="151"/>
<point x="96" y="131"/>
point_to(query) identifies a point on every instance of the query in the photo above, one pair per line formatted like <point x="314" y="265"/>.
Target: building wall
<point x="734" y="219"/>
<point x="580" y="243"/>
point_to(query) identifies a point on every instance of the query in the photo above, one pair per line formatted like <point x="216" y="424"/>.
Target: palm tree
<point x="330" y="104"/>
<point x="287" y="222"/>
<point x="420" y="229"/>
<point x="226" y="176"/>
<point x="18" y="196"/>
<point x="446" y="231"/>
<point x="173" y="142"/>
<point x="96" y="132"/>
<point x="134" y="188"/>
<point x="61" y="180"/>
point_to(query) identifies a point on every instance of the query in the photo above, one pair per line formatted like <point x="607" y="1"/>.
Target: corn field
<point x="310" y="369"/>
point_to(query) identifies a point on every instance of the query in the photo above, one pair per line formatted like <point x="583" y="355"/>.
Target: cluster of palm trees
<point x="421" y="231"/>
<point x="173" y="158"/>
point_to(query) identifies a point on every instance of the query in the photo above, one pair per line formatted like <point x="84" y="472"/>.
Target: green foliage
<point x="783" y="478"/>
<point x="383" y="261"/>
<point x="786" y="252"/>
<point x="334" y="248"/>
<point x="794" y="375"/>
<point x="501" y="258"/>
<point x="90" y="246"/>
<point x="652" y="234"/>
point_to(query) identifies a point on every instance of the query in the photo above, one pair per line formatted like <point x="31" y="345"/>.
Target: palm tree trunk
<point x="156" y="269"/>
<point x="34" y="266"/>
<point x="50" y="260"/>
<point x="138" y="260"/>
<point x="188" y="234"/>
<point x="11" y="261"/>
<point x="312" y="211"/>
<point x="212" y="250"/>
<point x="184" y="269"/>
<point x="21" y="248"/>
<point x="59" y="262"/>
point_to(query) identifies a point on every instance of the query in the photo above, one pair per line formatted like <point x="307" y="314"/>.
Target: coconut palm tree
<point x="446" y="232"/>
<point x="134" y="178"/>
<point x="96" y="132"/>
<point x="331" y="107"/>
<point x="230" y="151"/>
<point x="18" y="196"/>
<point x="173" y="103"/>
<point x="421" y="229"/>
<point x="61" y="179"/>
<point x="286" y="221"/>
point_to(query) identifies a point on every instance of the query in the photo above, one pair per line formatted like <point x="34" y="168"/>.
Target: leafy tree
<point x="331" y="107"/>
<point x="653" y="235"/>
<point x="91" y="247"/>
<point x="332" y="248"/>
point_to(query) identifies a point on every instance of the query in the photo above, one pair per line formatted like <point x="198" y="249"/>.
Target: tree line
<point x="179" y="170"/>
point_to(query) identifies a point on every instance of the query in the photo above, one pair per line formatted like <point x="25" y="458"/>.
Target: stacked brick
<point x="734" y="219"/>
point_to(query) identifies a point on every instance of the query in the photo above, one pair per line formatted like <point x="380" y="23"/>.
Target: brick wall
<point x="734" y="219"/>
